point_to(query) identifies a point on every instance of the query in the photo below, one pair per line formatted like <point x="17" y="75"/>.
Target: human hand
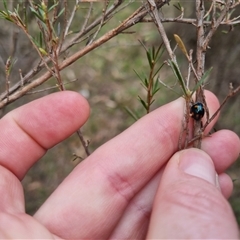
<point x="124" y="183"/>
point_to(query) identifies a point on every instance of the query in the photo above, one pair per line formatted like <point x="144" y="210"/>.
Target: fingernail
<point x="197" y="163"/>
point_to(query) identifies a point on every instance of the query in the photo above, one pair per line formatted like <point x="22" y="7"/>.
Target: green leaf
<point x="61" y="12"/>
<point x="146" y="88"/>
<point x="202" y="80"/>
<point x="146" y="82"/>
<point x="152" y="101"/>
<point x="155" y="83"/>
<point x="178" y="6"/>
<point x="12" y="64"/>
<point x="40" y="39"/>
<point x="132" y="114"/>
<point x="2" y="14"/>
<point x="157" y="71"/>
<point x="6" y="14"/>
<point x="140" y="77"/>
<point x="155" y="91"/>
<point x="143" y="102"/>
<point x="155" y="88"/>
<point x="52" y="7"/>
<point x="17" y="9"/>
<point x="166" y="86"/>
<point x="144" y="79"/>
<point x="5" y="5"/>
<point x="36" y="42"/>
<point x="159" y="53"/>
<point x="19" y="18"/>
<point x="153" y="53"/>
<point x="179" y="77"/>
<point x="149" y="57"/>
<point x="37" y="14"/>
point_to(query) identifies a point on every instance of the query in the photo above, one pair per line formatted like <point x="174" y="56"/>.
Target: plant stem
<point x="200" y="55"/>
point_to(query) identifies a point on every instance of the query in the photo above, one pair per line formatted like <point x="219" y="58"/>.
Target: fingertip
<point x="211" y="97"/>
<point x="212" y="106"/>
<point x="77" y="105"/>
<point x="226" y="185"/>
<point x="223" y="146"/>
<point x="52" y="118"/>
<point x="76" y="101"/>
<point x="188" y="188"/>
<point x="198" y="164"/>
<point x="28" y="131"/>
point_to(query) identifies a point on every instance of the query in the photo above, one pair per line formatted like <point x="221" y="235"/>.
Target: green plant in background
<point x="149" y="82"/>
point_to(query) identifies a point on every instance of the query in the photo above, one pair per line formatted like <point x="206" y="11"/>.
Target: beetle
<point x="197" y="111"/>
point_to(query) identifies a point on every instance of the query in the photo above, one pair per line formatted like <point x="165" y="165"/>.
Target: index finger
<point x="28" y="132"/>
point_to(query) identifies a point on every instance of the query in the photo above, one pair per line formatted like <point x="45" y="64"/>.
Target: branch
<point x="231" y="93"/>
<point x="27" y="78"/>
<point x="216" y="24"/>
<point x="69" y="22"/>
<point x="192" y="21"/>
<point x="157" y="20"/>
<point x="129" y="22"/>
<point x="106" y="3"/>
<point x="200" y="55"/>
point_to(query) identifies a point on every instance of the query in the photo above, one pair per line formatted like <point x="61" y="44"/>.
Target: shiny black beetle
<point x="197" y="111"/>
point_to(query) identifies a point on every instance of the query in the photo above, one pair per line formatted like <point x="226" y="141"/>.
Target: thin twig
<point x="27" y="78"/>
<point x="57" y="70"/>
<point x="87" y="17"/>
<point x="106" y="3"/>
<point x="65" y="23"/>
<point x="49" y="88"/>
<point x="19" y="23"/>
<point x="214" y="12"/>
<point x="21" y="77"/>
<point x="7" y="73"/>
<point x="129" y="22"/>
<point x="79" y="35"/>
<point x="191" y="21"/>
<point x="231" y="93"/>
<point x="200" y="56"/>
<point x="84" y="143"/>
<point x="216" y="25"/>
<point x="69" y="22"/>
<point x="156" y="18"/>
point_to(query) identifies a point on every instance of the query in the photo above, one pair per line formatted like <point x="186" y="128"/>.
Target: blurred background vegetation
<point x="107" y="79"/>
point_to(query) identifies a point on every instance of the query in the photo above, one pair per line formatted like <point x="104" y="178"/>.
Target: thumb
<point x="188" y="203"/>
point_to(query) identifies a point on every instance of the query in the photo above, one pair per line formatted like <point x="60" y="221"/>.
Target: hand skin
<point x="132" y="187"/>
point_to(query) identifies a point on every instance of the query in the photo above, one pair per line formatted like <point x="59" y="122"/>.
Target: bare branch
<point x="87" y="18"/>
<point x="129" y="22"/>
<point x="216" y="25"/>
<point x="192" y="21"/>
<point x="84" y="143"/>
<point x="155" y="16"/>
<point x="45" y="60"/>
<point x="231" y="93"/>
<point x="106" y="3"/>
<point x="69" y="22"/>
